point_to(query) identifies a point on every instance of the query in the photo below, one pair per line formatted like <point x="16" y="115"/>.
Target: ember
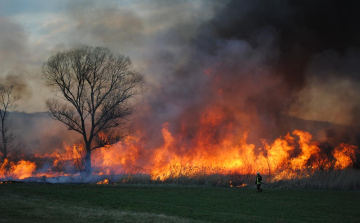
<point x="106" y="181"/>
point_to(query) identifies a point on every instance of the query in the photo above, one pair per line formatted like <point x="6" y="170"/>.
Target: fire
<point x="240" y="158"/>
<point x="20" y="170"/>
<point x="203" y="155"/>
<point x="106" y="181"/>
<point x="345" y="155"/>
<point x="307" y="150"/>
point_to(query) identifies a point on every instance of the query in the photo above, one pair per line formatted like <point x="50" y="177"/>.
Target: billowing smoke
<point x="256" y="63"/>
<point x="38" y="133"/>
<point x="12" y="53"/>
<point x="301" y="31"/>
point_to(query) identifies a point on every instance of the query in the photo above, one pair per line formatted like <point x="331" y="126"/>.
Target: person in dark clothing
<point x="258" y="182"/>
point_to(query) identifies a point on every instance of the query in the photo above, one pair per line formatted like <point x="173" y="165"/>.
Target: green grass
<point x="164" y="203"/>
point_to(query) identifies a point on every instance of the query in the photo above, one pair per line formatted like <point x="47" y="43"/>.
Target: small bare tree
<point x="6" y="106"/>
<point x="94" y="88"/>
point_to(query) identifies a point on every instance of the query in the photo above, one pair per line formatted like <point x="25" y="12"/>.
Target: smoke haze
<point x="247" y="64"/>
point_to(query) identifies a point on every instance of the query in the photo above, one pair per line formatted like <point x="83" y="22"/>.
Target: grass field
<point x="25" y="202"/>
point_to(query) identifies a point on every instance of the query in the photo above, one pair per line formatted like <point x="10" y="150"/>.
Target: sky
<point x="291" y="58"/>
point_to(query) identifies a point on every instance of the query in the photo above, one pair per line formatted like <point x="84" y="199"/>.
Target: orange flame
<point x="345" y="155"/>
<point x="228" y="154"/>
<point x="106" y="181"/>
<point x="20" y="170"/>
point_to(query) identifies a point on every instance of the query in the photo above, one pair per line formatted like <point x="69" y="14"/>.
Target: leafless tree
<point x="6" y="106"/>
<point x="94" y="89"/>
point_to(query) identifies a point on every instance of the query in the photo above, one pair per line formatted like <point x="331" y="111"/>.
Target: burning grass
<point x="347" y="179"/>
<point x="203" y="162"/>
<point x="30" y="202"/>
<point x="334" y="179"/>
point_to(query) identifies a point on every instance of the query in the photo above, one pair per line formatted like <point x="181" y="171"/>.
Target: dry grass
<point x="198" y="180"/>
<point x="347" y="179"/>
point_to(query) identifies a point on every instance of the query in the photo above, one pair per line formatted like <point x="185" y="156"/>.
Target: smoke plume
<point x="256" y="62"/>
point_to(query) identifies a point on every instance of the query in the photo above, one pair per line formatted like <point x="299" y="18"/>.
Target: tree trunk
<point x="4" y="151"/>
<point x="88" y="168"/>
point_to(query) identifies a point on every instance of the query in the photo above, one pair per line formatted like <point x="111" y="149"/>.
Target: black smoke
<point x="249" y="62"/>
<point x="301" y="30"/>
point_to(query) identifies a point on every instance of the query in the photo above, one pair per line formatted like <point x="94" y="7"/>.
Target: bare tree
<point x="6" y="106"/>
<point x="94" y="89"/>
